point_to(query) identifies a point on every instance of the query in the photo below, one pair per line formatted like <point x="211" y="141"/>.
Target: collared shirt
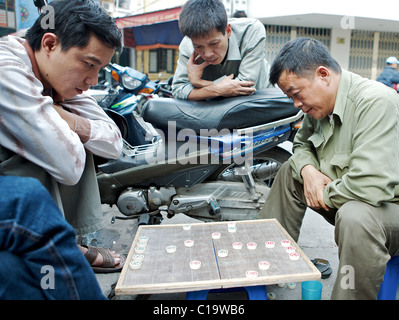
<point x="359" y="150"/>
<point x="245" y="58"/>
<point x="33" y="129"/>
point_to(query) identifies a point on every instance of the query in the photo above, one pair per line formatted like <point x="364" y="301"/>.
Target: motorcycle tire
<point x="271" y="159"/>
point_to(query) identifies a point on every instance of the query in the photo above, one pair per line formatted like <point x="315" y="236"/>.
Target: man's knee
<point x="350" y="213"/>
<point x="357" y="221"/>
<point x="15" y="189"/>
<point x="354" y="212"/>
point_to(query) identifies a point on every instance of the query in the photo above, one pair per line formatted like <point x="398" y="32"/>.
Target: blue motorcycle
<point x="212" y="160"/>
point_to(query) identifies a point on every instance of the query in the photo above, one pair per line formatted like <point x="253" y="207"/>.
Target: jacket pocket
<point x="316" y="139"/>
<point x="340" y="160"/>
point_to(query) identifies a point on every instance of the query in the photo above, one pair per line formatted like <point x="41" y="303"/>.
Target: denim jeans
<point x="39" y="257"/>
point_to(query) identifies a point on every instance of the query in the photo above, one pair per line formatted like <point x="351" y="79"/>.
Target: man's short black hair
<point x="74" y="22"/>
<point x="302" y="56"/>
<point x="199" y="17"/>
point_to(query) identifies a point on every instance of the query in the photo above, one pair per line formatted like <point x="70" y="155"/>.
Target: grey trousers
<point x="80" y="203"/>
<point x="366" y="236"/>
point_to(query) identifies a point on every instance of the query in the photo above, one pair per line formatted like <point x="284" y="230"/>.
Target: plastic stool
<point x="389" y="286"/>
<point x="253" y="293"/>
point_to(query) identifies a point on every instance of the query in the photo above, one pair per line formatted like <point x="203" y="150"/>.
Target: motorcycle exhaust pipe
<point x="262" y="171"/>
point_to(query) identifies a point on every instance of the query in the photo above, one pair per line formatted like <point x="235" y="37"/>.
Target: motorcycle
<point x="211" y="160"/>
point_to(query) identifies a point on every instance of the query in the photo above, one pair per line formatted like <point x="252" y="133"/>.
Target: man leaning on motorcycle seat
<point x="344" y="163"/>
<point x="49" y="127"/>
<point x="218" y="57"/>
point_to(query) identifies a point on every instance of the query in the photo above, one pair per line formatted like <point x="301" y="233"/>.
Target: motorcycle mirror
<point x="108" y="67"/>
<point x="39" y="4"/>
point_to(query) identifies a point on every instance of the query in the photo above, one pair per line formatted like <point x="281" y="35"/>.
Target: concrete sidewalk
<point x="316" y="240"/>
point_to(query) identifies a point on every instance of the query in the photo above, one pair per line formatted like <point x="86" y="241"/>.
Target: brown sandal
<point x="108" y="265"/>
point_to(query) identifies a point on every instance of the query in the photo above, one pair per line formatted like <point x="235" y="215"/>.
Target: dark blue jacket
<point x="389" y="76"/>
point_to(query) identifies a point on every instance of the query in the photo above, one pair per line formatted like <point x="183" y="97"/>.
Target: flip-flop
<point x="324" y="267"/>
<point x="108" y="265"/>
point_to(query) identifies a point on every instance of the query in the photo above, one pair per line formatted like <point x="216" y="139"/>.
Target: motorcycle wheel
<point x="264" y="167"/>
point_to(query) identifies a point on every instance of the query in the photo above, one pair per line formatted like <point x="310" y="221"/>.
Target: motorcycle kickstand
<point x="248" y="179"/>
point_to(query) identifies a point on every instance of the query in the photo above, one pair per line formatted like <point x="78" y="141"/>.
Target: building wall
<point x="359" y="51"/>
<point x="151" y="5"/>
<point x="142" y="63"/>
<point x="363" y="52"/>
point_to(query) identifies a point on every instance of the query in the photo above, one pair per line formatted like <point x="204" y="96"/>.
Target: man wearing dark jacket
<point x="390" y="76"/>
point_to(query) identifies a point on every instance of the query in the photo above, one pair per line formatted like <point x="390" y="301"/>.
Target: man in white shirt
<point x="49" y="128"/>
<point x="219" y="57"/>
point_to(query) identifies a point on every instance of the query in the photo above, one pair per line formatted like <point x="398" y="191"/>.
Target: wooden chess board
<point x="162" y="272"/>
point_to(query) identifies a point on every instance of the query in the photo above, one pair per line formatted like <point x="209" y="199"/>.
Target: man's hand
<point x="204" y="89"/>
<point x="195" y="71"/>
<point x="230" y="87"/>
<point x="314" y="183"/>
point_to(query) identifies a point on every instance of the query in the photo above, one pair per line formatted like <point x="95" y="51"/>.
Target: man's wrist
<point x="200" y="83"/>
<point x="306" y="168"/>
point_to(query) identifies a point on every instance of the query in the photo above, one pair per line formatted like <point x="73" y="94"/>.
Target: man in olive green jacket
<point x="345" y="164"/>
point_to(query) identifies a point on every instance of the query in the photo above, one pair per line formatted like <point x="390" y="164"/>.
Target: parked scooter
<point x="124" y="86"/>
<point x="211" y="160"/>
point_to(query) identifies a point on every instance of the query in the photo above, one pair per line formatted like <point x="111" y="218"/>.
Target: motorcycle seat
<point x="264" y="106"/>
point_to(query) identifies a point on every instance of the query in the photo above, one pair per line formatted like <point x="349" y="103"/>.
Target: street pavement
<point x="316" y="240"/>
